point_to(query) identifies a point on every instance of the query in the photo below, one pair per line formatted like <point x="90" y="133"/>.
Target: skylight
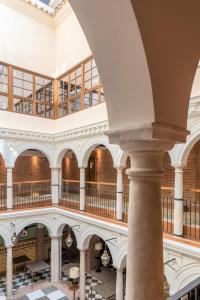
<point x="45" y="1"/>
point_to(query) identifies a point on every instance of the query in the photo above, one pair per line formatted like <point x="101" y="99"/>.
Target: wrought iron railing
<point x="189" y="292"/>
<point x="70" y="196"/>
<point x="3" y="197"/>
<point x="191" y="215"/>
<point x="167" y="212"/>
<point x="32" y="194"/>
<point x="125" y="200"/>
<point x="101" y="202"/>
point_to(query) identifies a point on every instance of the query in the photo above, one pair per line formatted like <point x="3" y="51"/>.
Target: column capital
<point x="9" y="247"/>
<point x="119" y="167"/>
<point x="55" y="168"/>
<point x="147" y="137"/>
<point x="178" y="168"/>
<point x="55" y="236"/>
<point x="82" y="167"/>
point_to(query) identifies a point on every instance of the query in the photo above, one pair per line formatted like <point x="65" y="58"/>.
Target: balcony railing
<point x="100" y="201"/>
<point x="3" y="197"/>
<point x="167" y="212"/>
<point x="31" y="194"/>
<point x="26" y="92"/>
<point x="192" y="215"/>
<point x="189" y="292"/>
<point x="70" y="196"/>
<point x="125" y="202"/>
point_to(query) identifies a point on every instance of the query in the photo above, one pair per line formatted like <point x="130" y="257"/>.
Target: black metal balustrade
<point x="125" y="200"/>
<point x="70" y="194"/>
<point x="3" y="197"/>
<point x="167" y="212"/>
<point x="189" y="292"/>
<point x="191" y="215"/>
<point x="31" y="194"/>
<point x="100" y="201"/>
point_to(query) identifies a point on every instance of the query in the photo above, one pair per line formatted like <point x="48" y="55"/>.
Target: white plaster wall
<point x="25" y="41"/>
<point x="196" y="84"/>
<point x="16" y="121"/>
<point x="92" y="115"/>
<point x="71" y="46"/>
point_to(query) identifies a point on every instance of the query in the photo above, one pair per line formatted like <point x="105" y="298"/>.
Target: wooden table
<point x="36" y="267"/>
<point x="18" y="260"/>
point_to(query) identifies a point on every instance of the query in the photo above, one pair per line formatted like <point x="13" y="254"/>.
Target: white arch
<point x="5" y="158"/>
<point x="88" y="233"/>
<point x="6" y="234"/>
<point x="179" y="154"/>
<point x="61" y="152"/>
<point x="40" y="147"/>
<point x="120" y="261"/>
<point x="91" y="145"/>
<point x="187" y="274"/>
<point x="62" y="224"/>
<point x="49" y="224"/>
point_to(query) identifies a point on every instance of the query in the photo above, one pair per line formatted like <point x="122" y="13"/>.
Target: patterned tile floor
<point x="20" y="281"/>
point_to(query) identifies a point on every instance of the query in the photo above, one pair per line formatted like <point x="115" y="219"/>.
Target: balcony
<point x="23" y="91"/>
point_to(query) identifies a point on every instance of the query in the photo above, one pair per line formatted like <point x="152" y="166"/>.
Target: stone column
<point x="82" y="188"/>
<point x="119" y="285"/>
<point x="82" y="274"/>
<point x="60" y="183"/>
<point x="9" y="188"/>
<point x="55" y="259"/>
<point x="9" y="271"/>
<point x="119" y="203"/>
<point x="55" y="185"/>
<point x="178" y="201"/>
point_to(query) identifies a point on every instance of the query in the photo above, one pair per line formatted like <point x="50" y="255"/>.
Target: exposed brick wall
<point x="40" y="243"/>
<point x="29" y="168"/>
<point x="70" y="168"/>
<point x="3" y="171"/>
<point x="90" y="261"/>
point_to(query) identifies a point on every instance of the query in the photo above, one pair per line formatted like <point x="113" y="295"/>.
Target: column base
<point x="178" y="235"/>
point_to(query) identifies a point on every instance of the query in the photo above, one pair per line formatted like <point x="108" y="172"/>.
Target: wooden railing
<point x="31" y="194"/>
<point x="27" y="92"/>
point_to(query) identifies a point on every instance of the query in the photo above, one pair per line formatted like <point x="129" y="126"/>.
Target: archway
<point x="99" y="272"/>
<point x="3" y="178"/>
<point x="100" y="188"/>
<point x="167" y="194"/>
<point x="191" y="183"/>
<point x="70" y="255"/>
<point x="31" y="256"/>
<point x="70" y="194"/>
<point x="31" y="180"/>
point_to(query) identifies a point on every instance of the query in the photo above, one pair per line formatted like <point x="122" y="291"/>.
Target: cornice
<point x="82" y="132"/>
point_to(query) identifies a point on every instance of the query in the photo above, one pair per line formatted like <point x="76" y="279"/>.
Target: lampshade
<point x="69" y="241"/>
<point x="14" y="238"/>
<point x="74" y="273"/>
<point x="105" y="258"/>
<point x="98" y="246"/>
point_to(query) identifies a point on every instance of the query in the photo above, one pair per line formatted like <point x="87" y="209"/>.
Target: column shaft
<point x="55" y="259"/>
<point x="119" y="285"/>
<point x="9" y="271"/>
<point x="82" y="275"/>
<point x="145" y="246"/>
<point x="82" y="188"/>
<point x="55" y="185"/>
<point x="178" y="201"/>
<point x="9" y="189"/>
<point x="119" y="204"/>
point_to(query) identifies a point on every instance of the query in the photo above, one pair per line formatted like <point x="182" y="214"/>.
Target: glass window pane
<point x="87" y="75"/>
<point x="87" y="66"/>
<point x="3" y="88"/>
<point x="28" y="77"/>
<point x="95" y="81"/>
<point x="88" y="85"/>
<point x="3" y="102"/>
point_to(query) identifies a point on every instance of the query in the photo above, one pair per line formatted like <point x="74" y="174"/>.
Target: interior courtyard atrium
<point x="99" y="150"/>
